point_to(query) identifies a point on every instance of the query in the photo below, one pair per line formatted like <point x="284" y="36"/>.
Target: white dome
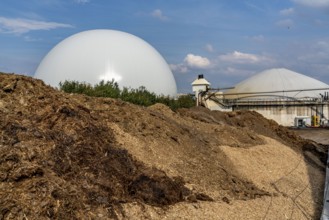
<point x="95" y="55"/>
<point x="277" y="84"/>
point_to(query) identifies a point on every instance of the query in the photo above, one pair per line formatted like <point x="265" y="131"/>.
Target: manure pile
<point x="67" y="156"/>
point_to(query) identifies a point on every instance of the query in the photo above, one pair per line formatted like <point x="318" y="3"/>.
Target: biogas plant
<point x="287" y="97"/>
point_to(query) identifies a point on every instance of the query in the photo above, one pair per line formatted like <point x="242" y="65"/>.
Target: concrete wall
<point x="285" y="115"/>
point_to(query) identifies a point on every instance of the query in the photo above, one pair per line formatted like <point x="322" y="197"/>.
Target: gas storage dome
<point x="95" y="55"/>
<point x="278" y="84"/>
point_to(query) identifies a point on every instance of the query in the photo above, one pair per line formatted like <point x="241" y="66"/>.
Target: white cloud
<point x="242" y="58"/>
<point x="287" y="11"/>
<point x="322" y="45"/>
<point x="81" y="1"/>
<point x="320" y="22"/>
<point x="287" y="23"/>
<point x="31" y="39"/>
<point x="258" y="38"/>
<point x="313" y="3"/>
<point x="240" y="72"/>
<point x="209" y="48"/>
<point x="318" y="53"/>
<point x="313" y="59"/>
<point x="157" y="13"/>
<point x="233" y="64"/>
<point x="196" y="61"/>
<point x="20" y="26"/>
<point x="181" y="68"/>
<point x="191" y="62"/>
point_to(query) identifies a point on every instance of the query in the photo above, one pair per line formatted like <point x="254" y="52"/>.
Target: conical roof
<point x="278" y="84"/>
<point x="201" y="81"/>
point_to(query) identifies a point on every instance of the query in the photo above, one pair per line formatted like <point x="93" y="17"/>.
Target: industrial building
<point x="287" y="97"/>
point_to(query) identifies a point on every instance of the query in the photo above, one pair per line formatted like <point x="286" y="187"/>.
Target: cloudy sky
<point x="226" y="40"/>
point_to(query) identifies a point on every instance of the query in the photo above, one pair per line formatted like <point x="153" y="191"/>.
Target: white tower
<point x="198" y="86"/>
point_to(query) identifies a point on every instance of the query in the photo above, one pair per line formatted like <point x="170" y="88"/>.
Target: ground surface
<point x="65" y="156"/>
<point x="319" y="135"/>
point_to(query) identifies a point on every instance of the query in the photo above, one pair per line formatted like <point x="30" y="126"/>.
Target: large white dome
<point x="95" y="55"/>
<point x="277" y="84"/>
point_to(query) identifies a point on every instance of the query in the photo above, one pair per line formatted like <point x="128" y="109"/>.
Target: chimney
<point x="200" y="76"/>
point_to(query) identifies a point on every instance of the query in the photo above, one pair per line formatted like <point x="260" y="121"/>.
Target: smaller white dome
<point x="277" y="84"/>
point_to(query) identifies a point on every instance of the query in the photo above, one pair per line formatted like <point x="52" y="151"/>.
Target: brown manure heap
<point x="66" y="156"/>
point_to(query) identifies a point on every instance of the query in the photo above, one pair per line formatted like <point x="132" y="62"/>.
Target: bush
<point x="185" y="101"/>
<point x="140" y="96"/>
<point x="76" y="87"/>
<point x="108" y="89"/>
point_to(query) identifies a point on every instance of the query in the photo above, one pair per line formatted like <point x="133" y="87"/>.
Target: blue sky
<point x="226" y="40"/>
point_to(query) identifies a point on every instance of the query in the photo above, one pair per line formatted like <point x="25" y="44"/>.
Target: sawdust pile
<point x="65" y="156"/>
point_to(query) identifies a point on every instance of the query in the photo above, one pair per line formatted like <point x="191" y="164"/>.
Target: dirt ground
<point x="67" y="156"/>
<point x="319" y="135"/>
